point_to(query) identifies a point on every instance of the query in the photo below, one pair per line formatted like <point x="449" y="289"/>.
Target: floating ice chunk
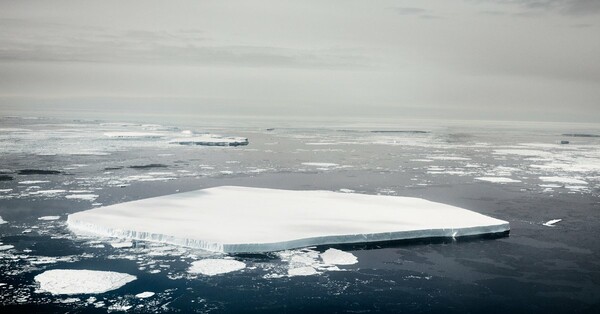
<point x="563" y="180"/>
<point x="49" y="218"/>
<point x="302" y="271"/>
<point x="497" y="179"/>
<point x="346" y="190"/>
<point x="131" y="135"/>
<point x="80" y="281"/>
<point x="273" y="220"/>
<point x="120" y="245"/>
<point x="211" y="140"/>
<point x="6" y="247"/>
<point x="2" y="221"/>
<point x="551" y="223"/>
<point x="33" y="182"/>
<point x="83" y="197"/>
<point x="144" y="295"/>
<point x="211" y="267"/>
<point x="320" y="164"/>
<point x="337" y="257"/>
<point x="450" y="158"/>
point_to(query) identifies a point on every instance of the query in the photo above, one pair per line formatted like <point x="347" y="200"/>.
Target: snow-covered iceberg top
<point x="210" y="140"/>
<point x="235" y="219"/>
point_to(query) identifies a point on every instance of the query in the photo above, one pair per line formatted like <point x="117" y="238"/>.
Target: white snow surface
<point x="497" y="179"/>
<point x="211" y="266"/>
<point x="274" y="220"/>
<point x="81" y="281"/>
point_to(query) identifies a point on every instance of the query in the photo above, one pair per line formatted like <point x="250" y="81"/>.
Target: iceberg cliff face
<point x="239" y="219"/>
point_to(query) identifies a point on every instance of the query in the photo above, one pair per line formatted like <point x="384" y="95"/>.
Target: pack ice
<point x="233" y="219"/>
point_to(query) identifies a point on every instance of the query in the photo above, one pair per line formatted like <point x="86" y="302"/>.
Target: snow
<point x="2" y="221"/>
<point x="211" y="267"/>
<point x="81" y="281"/>
<point x="563" y="180"/>
<point x="551" y="223"/>
<point x="144" y="295"/>
<point x="49" y="218"/>
<point x="273" y="220"/>
<point x="337" y="257"/>
<point x="497" y="179"/>
<point x="211" y="140"/>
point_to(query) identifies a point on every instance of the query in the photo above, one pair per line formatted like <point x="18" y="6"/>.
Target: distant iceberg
<point x="234" y="219"/>
<point x="211" y="140"/>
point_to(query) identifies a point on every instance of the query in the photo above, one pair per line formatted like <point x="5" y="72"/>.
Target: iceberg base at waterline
<point x="232" y="219"/>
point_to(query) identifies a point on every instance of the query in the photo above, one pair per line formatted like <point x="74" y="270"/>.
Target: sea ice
<point x="83" y="197"/>
<point x="144" y="295"/>
<point x="551" y="223"/>
<point x="81" y="281"/>
<point x="320" y="164"/>
<point x="2" y="221"/>
<point x="132" y="135"/>
<point x="211" y="267"/>
<point x="211" y="140"/>
<point x="273" y="220"/>
<point x="49" y="218"/>
<point x="563" y="180"/>
<point x="337" y="257"/>
<point x="497" y="179"/>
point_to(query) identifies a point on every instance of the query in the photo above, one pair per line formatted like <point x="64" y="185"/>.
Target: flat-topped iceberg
<point x="235" y="219"/>
<point x="211" y="140"/>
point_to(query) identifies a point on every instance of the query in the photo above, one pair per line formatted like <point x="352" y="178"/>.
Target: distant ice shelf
<point x="233" y="219"/>
<point x="211" y="140"/>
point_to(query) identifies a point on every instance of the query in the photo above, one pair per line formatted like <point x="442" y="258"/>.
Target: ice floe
<point x="551" y="223"/>
<point x="337" y="257"/>
<point x="273" y="220"/>
<point x="211" y="140"/>
<point x="49" y="218"/>
<point x="144" y="295"/>
<point x="211" y="267"/>
<point x="80" y="281"/>
<point x="83" y="197"/>
<point x="132" y="135"/>
<point x="497" y="179"/>
<point x="564" y="180"/>
<point x="2" y="221"/>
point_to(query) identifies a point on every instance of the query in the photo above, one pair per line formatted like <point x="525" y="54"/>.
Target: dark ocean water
<point x="535" y="269"/>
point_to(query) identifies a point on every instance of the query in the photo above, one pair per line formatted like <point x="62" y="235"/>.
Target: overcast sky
<point x="473" y="59"/>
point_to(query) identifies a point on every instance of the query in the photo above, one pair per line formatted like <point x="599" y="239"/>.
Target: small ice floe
<point x="83" y="197"/>
<point x="81" y="281"/>
<point x="132" y="135"/>
<point x="563" y="180"/>
<point x="346" y="190"/>
<point x="337" y="257"/>
<point x="6" y="247"/>
<point x="49" y="218"/>
<point x="2" y="221"/>
<point x="211" y="140"/>
<point x="551" y="223"/>
<point x="29" y="182"/>
<point x="120" y="245"/>
<point x="144" y="295"/>
<point x="302" y="271"/>
<point x="320" y="164"/>
<point x="497" y="179"/>
<point x="211" y="267"/>
<point x="450" y="158"/>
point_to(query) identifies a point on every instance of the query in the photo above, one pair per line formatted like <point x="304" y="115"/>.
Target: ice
<point x="551" y="223"/>
<point x="132" y="135"/>
<point x="211" y="267"/>
<point x="302" y="271"/>
<point x="144" y="295"/>
<point x="120" y="245"/>
<point x="2" y="221"/>
<point x="33" y="182"/>
<point x="211" y="140"/>
<point x="83" y="197"/>
<point x="81" y="281"/>
<point x="49" y="218"/>
<point x="320" y="164"/>
<point x="497" y="179"/>
<point x="337" y="257"/>
<point x="6" y="247"/>
<point x="273" y="220"/>
<point x="563" y="180"/>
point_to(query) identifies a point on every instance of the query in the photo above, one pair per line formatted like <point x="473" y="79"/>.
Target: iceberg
<point x="81" y="281"/>
<point x="233" y="219"/>
<point x="211" y="140"/>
